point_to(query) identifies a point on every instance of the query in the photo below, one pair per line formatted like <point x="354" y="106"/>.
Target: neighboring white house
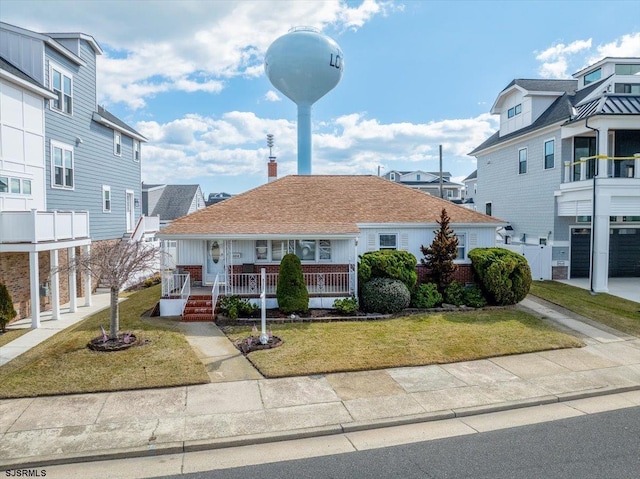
<point x="429" y="182"/>
<point x="328" y="221"/>
<point x="470" y="191"/>
<point x="564" y="170"/>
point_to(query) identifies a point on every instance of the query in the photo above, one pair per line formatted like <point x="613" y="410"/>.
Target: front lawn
<point x="64" y="365"/>
<point x="618" y="313"/>
<point x="328" y="347"/>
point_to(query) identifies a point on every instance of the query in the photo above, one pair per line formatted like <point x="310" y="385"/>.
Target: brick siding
<point x="463" y="275"/>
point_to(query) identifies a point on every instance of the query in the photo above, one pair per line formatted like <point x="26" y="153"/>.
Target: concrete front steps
<point x="198" y="308"/>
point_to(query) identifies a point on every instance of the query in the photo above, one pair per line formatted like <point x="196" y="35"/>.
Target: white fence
<point x="316" y="283"/>
<point x="538" y="257"/>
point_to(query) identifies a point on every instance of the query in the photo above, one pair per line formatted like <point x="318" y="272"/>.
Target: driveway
<point x="627" y="288"/>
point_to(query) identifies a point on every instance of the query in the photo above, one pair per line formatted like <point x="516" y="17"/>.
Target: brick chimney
<point x="272" y="169"/>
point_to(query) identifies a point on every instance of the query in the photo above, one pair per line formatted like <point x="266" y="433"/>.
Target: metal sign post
<point x="264" y="338"/>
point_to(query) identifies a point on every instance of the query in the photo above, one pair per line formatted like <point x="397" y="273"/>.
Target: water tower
<point x="304" y="65"/>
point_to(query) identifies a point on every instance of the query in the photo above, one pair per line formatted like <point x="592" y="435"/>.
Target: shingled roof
<point x="321" y="205"/>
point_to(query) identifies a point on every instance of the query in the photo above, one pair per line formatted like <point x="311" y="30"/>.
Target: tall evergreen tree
<point x="439" y="256"/>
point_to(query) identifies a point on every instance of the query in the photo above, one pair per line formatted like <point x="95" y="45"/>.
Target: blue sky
<point x="189" y="76"/>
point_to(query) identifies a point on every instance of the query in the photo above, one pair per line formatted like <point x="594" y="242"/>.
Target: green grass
<point x="618" y="313"/>
<point x="64" y="365"/>
<point x="11" y="334"/>
<point x="315" y="348"/>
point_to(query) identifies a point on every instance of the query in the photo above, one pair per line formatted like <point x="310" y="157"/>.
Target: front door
<point x="130" y="211"/>
<point x="216" y="263"/>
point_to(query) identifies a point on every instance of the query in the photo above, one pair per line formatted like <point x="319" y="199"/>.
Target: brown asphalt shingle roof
<point x="317" y="204"/>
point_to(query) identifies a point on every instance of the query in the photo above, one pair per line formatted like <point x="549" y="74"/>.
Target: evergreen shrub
<point x="7" y="313"/>
<point x="386" y="263"/>
<point x="505" y="276"/>
<point x="385" y="295"/>
<point x="291" y="292"/>
<point x="426" y="296"/>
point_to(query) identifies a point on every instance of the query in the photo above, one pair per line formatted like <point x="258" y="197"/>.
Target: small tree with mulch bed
<point x="439" y="256"/>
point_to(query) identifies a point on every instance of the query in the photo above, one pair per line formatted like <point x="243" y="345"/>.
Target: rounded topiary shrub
<point x="505" y="276"/>
<point x="384" y="295"/>
<point x="387" y="263"/>
<point x="426" y="296"/>
<point x="291" y="292"/>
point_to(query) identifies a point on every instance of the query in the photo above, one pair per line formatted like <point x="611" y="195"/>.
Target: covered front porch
<point x="223" y="267"/>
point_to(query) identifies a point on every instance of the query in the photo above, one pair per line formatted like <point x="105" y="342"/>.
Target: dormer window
<point x="516" y="110"/>
<point x="595" y="75"/>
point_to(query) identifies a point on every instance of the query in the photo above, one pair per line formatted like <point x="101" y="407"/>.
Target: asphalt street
<point x="604" y="445"/>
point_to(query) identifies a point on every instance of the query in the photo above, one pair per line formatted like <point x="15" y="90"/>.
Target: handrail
<point x="215" y="293"/>
<point x="185" y="292"/>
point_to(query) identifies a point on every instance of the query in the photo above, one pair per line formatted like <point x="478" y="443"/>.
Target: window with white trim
<point x="136" y="150"/>
<point x="305" y="249"/>
<point x="462" y="246"/>
<point x="106" y="199"/>
<point x="61" y="165"/>
<point x="522" y="161"/>
<point x="487" y="208"/>
<point x="61" y="82"/>
<point x="388" y="241"/>
<point x="117" y="143"/>
<point x="16" y="186"/>
<point x="549" y="153"/>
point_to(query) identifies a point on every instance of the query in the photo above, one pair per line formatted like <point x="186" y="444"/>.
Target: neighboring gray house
<point x="84" y="174"/>
<point x="428" y="182"/>
<point x="171" y="201"/>
<point x="564" y="170"/>
<point x="470" y="191"/>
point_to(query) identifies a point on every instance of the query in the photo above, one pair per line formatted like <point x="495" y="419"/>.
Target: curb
<point x="180" y="447"/>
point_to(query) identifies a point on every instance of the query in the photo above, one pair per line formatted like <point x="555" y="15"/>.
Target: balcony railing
<point x="40" y="226"/>
<point x="607" y="167"/>
<point x="249" y="284"/>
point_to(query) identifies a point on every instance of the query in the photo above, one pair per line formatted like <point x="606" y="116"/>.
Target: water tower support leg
<point x="304" y="139"/>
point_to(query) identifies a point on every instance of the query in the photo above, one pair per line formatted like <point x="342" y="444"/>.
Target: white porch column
<point x="55" y="284"/>
<point x="86" y="250"/>
<point x="34" y="275"/>
<point x="600" y="224"/>
<point x="73" y="292"/>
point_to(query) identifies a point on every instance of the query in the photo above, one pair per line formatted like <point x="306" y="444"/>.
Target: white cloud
<point x="168" y="45"/>
<point x="209" y="150"/>
<point x="625" y="46"/>
<point x="554" y="58"/>
<point x="272" y="96"/>
<point x="561" y="60"/>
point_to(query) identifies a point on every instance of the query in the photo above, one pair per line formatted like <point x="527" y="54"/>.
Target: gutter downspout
<point x="593" y="205"/>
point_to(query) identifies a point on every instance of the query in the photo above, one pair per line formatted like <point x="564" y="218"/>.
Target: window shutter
<point x="371" y="242"/>
<point x="404" y="241"/>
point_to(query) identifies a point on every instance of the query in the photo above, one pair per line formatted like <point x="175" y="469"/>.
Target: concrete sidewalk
<point x="48" y="430"/>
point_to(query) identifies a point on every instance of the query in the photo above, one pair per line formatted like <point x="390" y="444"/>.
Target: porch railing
<point x="174" y="284"/>
<point x="317" y="283"/>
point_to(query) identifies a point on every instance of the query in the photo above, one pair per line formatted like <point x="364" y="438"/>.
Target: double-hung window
<point x="549" y="153"/>
<point x="61" y="165"/>
<point x="522" y="161"/>
<point x="388" y="241"/>
<point x="106" y="199"/>
<point x="117" y="143"/>
<point x="61" y="83"/>
<point x="136" y="150"/>
<point x="462" y="238"/>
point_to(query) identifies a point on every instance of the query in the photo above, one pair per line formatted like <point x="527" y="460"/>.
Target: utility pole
<point x="441" y="191"/>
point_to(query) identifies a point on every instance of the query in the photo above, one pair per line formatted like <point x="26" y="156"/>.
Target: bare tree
<point x="115" y="263"/>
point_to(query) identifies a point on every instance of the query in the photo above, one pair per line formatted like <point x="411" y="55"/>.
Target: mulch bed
<point x="122" y="342"/>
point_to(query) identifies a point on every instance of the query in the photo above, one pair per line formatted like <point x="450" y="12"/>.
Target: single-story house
<point x="327" y="221"/>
